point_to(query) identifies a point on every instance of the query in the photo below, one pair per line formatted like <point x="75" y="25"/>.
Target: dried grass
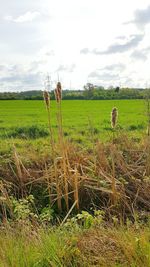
<point x="119" y="183"/>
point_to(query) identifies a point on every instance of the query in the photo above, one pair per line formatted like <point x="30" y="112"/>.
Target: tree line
<point x="89" y="93"/>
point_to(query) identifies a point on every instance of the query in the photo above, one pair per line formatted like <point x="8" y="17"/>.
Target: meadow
<point x="72" y="187"/>
<point x="28" y="119"/>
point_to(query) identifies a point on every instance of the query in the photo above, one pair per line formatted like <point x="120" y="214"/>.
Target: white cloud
<point x="141" y="54"/>
<point x="141" y="17"/>
<point x="27" y="17"/>
<point x="133" y="42"/>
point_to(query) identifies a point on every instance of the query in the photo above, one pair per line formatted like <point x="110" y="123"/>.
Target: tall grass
<point x="26" y="247"/>
<point x="114" y="178"/>
<point x="49" y="177"/>
<point x="63" y="148"/>
<point x="74" y="245"/>
<point x="47" y="102"/>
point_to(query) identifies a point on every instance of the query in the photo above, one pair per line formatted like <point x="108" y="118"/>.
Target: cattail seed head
<point x="114" y="116"/>
<point x="59" y="89"/>
<point x="58" y="92"/>
<point x="59" y="86"/>
<point x="46" y="98"/>
<point x="56" y="95"/>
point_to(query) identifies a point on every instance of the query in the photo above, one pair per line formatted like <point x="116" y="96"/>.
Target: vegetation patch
<point x="28" y="132"/>
<point x="136" y="127"/>
<point x="65" y="204"/>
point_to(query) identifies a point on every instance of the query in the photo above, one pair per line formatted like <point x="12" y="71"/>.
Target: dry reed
<point x="121" y="174"/>
<point x="47" y="102"/>
<point x="58" y="96"/>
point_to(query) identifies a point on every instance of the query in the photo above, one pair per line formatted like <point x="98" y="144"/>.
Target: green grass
<point x="77" y="116"/>
<point x="55" y="247"/>
<point x="25" y="124"/>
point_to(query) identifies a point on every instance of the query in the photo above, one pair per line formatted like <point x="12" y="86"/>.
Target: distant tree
<point x="117" y="89"/>
<point x="100" y="87"/>
<point x="88" y="90"/>
<point x="89" y="86"/>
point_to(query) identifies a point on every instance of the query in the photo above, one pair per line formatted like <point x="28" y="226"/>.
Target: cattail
<point x="114" y="115"/>
<point x="56" y="95"/>
<point x="46" y="98"/>
<point x="58" y="92"/>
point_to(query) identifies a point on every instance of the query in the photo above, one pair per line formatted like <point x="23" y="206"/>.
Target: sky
<point x="104" y="42"/>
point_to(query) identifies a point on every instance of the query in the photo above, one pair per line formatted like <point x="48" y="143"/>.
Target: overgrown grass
<point x="40" y="248"/>
<point x="113" y="176"/>
<point x="75" y="245"/>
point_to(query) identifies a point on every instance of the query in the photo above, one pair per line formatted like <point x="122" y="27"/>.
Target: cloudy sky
<point x="99" y="41"/>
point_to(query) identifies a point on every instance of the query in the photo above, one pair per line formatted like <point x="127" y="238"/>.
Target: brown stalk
<point x="47" y="102"/>
<point x="48" y="183"/>
<point x="76" y="189"/>
<point x="19" y="170"/>
<point x="58" y="96"/>
<point x="113" y="184"/>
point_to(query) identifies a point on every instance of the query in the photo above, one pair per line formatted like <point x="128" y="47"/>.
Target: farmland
<point x="84" y="178"/>
<point x="78" y="118"/>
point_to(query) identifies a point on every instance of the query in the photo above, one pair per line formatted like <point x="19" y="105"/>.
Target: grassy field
<point x="21" y="118"/>
<point x="82" y="200"/>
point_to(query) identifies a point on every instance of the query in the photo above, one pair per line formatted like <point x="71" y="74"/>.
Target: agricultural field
<point x="28" y="119"/>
